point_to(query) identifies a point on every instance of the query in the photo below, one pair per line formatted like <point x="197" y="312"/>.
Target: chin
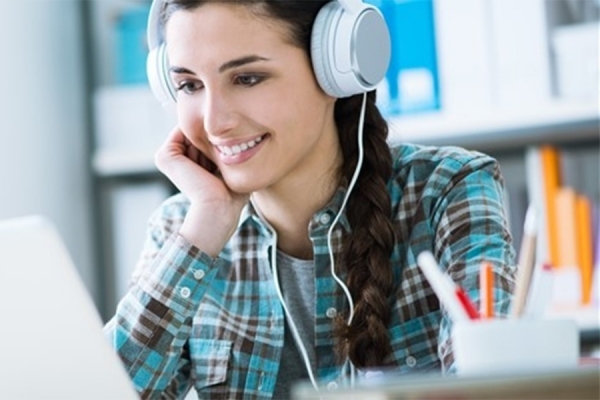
<point x="242" y="185"/>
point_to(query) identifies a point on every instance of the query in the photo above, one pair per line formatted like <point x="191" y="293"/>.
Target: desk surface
<point x="581" y="383"/>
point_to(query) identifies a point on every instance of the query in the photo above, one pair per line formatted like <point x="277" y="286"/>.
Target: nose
<point x="219" y="113"/>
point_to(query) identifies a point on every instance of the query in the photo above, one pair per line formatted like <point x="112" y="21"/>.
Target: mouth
<point x="240" y="147"/>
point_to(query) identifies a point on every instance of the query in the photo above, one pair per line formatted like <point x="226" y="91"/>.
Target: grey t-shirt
<point x="297" y="282"/>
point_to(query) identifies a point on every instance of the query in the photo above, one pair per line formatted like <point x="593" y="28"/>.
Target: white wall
<point x="43" y="156"/>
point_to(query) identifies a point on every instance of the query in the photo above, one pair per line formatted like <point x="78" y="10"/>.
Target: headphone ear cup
<point x="320" y="48"/>
<point x="350" y="51"/>
<point x="158" y="77"/>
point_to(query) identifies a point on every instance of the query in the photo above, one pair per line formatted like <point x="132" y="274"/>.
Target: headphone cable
<point x="359" y="162"/>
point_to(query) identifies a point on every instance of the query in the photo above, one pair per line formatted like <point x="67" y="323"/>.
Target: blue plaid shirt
<point x="217" y="325"/>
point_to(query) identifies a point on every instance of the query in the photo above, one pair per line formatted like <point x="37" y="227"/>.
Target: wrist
<point x="209" y="229"/>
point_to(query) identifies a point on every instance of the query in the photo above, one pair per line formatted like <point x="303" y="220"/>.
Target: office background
<point x="79" y="124"/>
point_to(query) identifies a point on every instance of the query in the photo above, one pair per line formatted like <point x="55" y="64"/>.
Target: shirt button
<point x="411" y="361"/>
<point x="185" y="292"/>
<point x="324" y="218"/>
<point x="198" y="274"/>
<point x="331" y="312"/>
<point x="332" y="385"/>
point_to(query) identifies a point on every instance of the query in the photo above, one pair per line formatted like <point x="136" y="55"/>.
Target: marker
<point x="486" y="290"/>
<point x="445" y="289"/>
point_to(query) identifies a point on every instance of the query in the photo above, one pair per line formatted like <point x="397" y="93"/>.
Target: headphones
<point x="350" y="50"/>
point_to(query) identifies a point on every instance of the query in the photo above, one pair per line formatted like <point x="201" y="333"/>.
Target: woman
<point x="236" y="293"/>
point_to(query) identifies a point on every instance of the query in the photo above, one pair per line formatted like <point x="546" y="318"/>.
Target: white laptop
<point x="51" y="340"/>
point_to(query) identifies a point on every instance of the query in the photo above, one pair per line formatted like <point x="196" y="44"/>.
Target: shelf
<point x="130" y="127"/>
<point x="484" y="130"/>
<point x="496" y="129"/>
<point x="586" y="318"/>
<point x="109" y="163"/>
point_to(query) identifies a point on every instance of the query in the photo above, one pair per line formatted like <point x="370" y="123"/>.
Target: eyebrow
<point x="238" y="62"/>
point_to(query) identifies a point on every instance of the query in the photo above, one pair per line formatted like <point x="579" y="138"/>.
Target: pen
<point x="541" y="292"/>
<point x="445" y="289"/>
<point x="486" y="285"/>
<point x="466" y="303"/>
<point x="526" y="263"/>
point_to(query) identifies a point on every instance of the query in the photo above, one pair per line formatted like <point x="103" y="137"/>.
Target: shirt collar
<point x="322" y="218"/>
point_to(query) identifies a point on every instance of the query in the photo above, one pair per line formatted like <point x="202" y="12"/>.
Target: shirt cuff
<point x="179" y="275"/>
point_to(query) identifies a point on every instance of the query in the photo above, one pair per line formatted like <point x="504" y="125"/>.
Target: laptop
<point x="51" y="340"/>
<point x="552" y="384"/>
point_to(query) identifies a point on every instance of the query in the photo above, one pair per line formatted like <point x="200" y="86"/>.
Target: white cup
<point x="513" y="345"/>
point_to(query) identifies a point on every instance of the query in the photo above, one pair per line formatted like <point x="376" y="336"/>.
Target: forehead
<point x="223" y="27"/>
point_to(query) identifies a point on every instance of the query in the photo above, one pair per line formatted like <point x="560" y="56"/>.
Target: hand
<point x="215" y="209"/>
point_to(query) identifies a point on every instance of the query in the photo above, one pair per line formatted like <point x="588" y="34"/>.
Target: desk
<point x="580" y="383"/>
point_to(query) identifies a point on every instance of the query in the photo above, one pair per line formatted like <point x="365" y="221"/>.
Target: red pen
<point x="466" y="303"/>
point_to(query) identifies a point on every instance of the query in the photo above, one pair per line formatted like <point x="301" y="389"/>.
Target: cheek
<point x="186" y="118"/>
<point x="192" y="127"/>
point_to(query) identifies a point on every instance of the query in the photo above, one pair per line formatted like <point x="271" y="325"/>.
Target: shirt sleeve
<point x="471" y="228"/>
<point x="152" y="323"/>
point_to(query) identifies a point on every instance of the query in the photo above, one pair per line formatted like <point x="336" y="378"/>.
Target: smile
<point x="239" y="148"/>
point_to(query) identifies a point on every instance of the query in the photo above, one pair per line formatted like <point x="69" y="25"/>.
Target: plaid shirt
<point x="217" y="324"/>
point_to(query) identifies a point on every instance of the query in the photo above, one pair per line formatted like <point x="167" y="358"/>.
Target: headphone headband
<point x="352" y="6"/>
<point x="350" y="49"/>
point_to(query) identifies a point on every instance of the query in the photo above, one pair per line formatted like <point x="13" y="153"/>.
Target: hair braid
<point x="366" y="251"/>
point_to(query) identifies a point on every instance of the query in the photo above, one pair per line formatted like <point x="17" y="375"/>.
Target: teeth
<point x="238" y="148"/>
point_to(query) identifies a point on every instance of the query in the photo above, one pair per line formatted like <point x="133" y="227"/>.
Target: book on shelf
<point x="466" y="58"/>
<point x="520" y="51"/>
<point x="540" y="181"/>
<point x="411" y="82"/>
<point x="585" y="249"/>
<point x="577" y="64"/>
<point x="131" y="47"/>
<point x="464" y="55"/>
<point x="596" y="265"/>
<point x="568" y="221"/>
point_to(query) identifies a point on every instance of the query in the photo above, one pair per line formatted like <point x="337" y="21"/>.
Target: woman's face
<point x="248" y="99"/>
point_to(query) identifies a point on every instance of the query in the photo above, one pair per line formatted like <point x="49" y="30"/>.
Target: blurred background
<point x="517" y="79"/>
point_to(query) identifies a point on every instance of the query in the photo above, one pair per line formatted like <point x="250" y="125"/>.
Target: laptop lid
<point x="51" y="340"/>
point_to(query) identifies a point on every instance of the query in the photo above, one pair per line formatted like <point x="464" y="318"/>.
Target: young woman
<point x="258" y="274"/>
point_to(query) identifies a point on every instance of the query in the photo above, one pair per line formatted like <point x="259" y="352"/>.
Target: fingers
<point x="192" y="152"/>
<point x="173" y="160"/>
<point x="185" y="165"/>
<point x="173" y="146"/>
<point x="207" y="164"/>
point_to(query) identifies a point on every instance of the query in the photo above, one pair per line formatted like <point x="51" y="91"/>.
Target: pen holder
<point x="509" y="345"/>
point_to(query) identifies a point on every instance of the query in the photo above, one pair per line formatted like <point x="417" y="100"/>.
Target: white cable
<point x="359" y="163"/>
<point x="291" y="322"/>
<point x="293" y="327"/>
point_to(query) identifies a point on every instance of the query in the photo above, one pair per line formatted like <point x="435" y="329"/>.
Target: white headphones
<point x="350" y="50"/>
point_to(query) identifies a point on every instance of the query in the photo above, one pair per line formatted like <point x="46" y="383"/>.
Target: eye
<point x="188" y="87"/>
<point x="248" y="80"/>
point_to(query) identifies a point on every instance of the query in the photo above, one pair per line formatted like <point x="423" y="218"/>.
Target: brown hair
<point x="367" y="249"/>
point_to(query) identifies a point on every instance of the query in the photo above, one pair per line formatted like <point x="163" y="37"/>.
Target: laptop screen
<point x="51" y="340"/>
